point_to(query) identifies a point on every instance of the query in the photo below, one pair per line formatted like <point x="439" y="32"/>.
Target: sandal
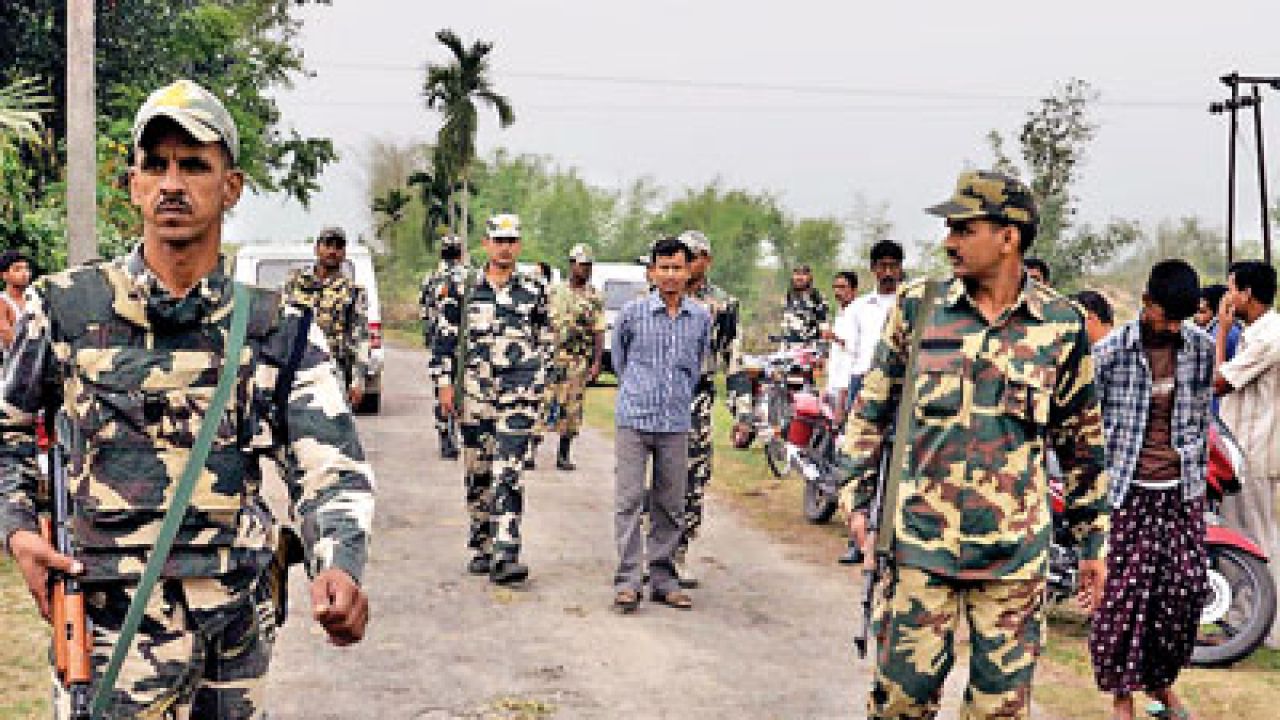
<point x="626" y="601"/>
<point x="677" y="599"/>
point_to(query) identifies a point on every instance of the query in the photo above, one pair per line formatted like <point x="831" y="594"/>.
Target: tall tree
<point x="455" y="89"/>
<point x="1052" y="142"/>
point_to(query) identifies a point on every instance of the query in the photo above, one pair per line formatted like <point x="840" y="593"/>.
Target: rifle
<point x="871" y="576"/>
<point x="893" y="457"/>
<point x="72" y="642"/>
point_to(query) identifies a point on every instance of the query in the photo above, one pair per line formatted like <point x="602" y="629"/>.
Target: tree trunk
<point x="466" y="208"/>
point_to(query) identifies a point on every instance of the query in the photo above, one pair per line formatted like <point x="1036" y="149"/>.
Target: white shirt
<point x="840" y="364"/>
<point x="869" y="315"/>
<point x="1250" y="410"/>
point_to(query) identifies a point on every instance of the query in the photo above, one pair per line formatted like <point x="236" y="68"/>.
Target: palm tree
<point x="435" y="191"/>
<point x="455" y="89"/>
<point x="21" y="104"/>
<point x="393" y="205"/>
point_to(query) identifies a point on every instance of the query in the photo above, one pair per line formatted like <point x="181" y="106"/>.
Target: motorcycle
<point x="1241" y="605"/>
<point x="773" y="379"/>
<point x="799" y="430"/>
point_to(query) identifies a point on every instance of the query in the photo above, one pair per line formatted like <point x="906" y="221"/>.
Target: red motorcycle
<point x="799" y="429"/>
<point x="1242" y="596"/>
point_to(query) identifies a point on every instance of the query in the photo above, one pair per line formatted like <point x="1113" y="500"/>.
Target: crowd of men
<point x="170" y="387"/>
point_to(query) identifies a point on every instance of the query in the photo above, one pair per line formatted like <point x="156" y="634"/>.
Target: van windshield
<point x="273" y="273"/>
<point x="619" y="292"/>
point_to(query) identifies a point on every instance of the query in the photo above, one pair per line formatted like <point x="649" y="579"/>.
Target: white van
<point x="269" y="266"/>
<point x="618" y="283"/>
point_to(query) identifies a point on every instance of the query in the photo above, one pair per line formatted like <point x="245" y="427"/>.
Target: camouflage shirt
<point x="132" y="369"/>
<point x="803" y="317"/>
<point x="341" y="309"/>
<point x="432" y="285"/>
<point x="508" y="339"/>
<point x="723" y="308"/>
<point x="974" y="500"/>
<point x="577" y="316"/>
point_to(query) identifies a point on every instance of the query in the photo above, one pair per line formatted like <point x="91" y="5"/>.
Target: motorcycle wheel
<point x="1239" y="611"/>
<point x="775" y="455"/>
<point x="819" y="505"/>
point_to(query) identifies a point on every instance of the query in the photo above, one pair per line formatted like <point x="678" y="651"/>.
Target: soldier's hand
<point x="35" y="558"/>
<point x="340" y="606"/>
<point x="355" y="395"/>
<point x="593" y="373"/>
<point x="446" y="401"/>
<point x="1093" y="578"/>
<point x="865" y="540"/>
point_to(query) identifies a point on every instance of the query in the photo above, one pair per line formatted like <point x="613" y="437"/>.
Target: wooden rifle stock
<point x="72" y="641"/>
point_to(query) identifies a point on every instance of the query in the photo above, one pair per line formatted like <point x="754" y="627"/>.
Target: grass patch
<point x="24" y="642"/>
<point x="1064" y="685"/>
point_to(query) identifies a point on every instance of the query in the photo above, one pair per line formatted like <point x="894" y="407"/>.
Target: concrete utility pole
<point x="82" y="159"/>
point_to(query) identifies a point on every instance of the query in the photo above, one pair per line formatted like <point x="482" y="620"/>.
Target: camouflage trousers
<point x="493" y="452"/>
<point x="565" y="394"/>
<point x="701" y="448"/>
<point x="196" y="655"/>
<point x="917" y="614"/>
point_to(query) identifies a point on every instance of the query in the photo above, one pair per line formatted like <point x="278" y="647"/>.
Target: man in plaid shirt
<point x="1154" y="379"/>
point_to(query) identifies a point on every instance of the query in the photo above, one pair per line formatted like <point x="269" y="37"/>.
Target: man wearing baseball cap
<point x="450" y="269"/>
<point x="489" y="359"/>
<point x="1003" y="375"/>
<point x="339" y="306"/>
<point x="577" y="314"/>
<point x="129" y="352"/>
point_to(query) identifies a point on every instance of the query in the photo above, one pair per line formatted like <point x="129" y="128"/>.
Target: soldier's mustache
<point x="173" y="204"/>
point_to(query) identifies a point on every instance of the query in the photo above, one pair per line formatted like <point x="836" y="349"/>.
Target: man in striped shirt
<point x="659" y="342"/>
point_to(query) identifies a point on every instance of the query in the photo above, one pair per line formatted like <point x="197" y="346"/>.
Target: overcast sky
<point x="813" y="101"/>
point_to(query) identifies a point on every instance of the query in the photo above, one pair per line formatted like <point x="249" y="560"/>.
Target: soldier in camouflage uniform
<point x="492" y="342"/>
<point x="1004" y="375"/>
<point x="723" y="309"/>
<point x="450" y="269"/>
<point x="339" y="306"/>
<point x="127" y="354"/>
<point x="804" y="314"/>
<point x="577" y="314"/>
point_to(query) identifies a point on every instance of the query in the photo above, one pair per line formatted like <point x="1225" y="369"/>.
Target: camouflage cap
<point x="697" y="243"/>
<point x="450" y="241"/>
<point x="581" y="253"/>
<point x="988" y="194"/>
<point x="506" y="225"/>
<point x="195" y="109"/>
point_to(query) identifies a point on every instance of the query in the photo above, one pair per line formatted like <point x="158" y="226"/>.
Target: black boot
<point x="448" y="448"/>
<point x="562" y="459"/>
<point x="531" y="455"/>
<point x="506" y="572"/>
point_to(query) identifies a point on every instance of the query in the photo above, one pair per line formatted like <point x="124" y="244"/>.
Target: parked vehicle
<point x="270" y="265"/>
<point x="618" y="283"/>
<point x="1242" y="596"/>
<point x="797" y="427"/>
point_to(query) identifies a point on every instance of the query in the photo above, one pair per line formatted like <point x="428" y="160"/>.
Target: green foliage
<point x="1052" y="144"/>
<point x="739" y="224"/>
<point x="239" y="49"/>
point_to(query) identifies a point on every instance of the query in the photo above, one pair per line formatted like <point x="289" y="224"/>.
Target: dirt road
<point x="769" y="637"/>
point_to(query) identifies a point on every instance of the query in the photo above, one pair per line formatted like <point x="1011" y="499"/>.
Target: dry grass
<point x="1064" y="682"/>
<point x="24" y="642"/>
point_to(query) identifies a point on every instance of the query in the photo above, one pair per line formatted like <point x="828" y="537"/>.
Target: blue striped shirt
<point x="658" y="359"/>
